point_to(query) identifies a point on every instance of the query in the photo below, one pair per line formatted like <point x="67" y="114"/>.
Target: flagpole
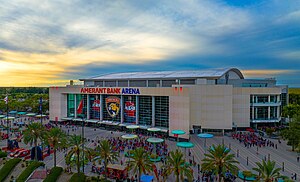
<point x="41" y="104"/>
<point x="8" y="128"/>
<point x="83" y="134"/>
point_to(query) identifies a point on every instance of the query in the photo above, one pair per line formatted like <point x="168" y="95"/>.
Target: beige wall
<point x="211" y="106"/>
<point x="208" y="106"/>
<point x="241" y="103"/>
<point x="179" y="114"/>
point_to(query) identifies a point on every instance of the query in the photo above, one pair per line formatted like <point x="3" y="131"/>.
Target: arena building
<point x="209" y="100"/>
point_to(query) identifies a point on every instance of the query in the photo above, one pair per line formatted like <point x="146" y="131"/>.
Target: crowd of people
<point x="251" y="139"/>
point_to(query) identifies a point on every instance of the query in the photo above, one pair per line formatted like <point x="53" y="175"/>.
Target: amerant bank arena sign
<point x="97" y="90"/>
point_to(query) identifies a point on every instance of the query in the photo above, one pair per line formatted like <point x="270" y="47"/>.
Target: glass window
<point x="137" y="83"/>
<point x="98" y="83"/>
<point x="262" y="113"/>
<point x="187" y="82"/>
<point x="262" y="99"/>
<point x="81" y="98"/>
<point x="168" y="83"/>
<point x="108" y="106"/>
<point x="273" y="112"/>
<point x="71" y="105"/>
<point x="129" y="109"/>
<point x="95" y="107"/>
<point x="145" y="110"/>
<point x="110" y="83"/>
<point x="123" y="83"/>
<point x="162" y="111"/>
<point x="154" y="83"/>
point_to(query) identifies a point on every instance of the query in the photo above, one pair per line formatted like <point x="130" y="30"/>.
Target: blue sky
<point x="46" y="43"/>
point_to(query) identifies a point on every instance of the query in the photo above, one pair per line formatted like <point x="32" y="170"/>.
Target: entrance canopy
<point x="185" y="144"/>
<point x="12" y="112"/>
<point x="155" y="140"/>
<point x="129" y="136"/>
<point x="132" y="127"/>
<point x="21" y="113"/>
<point x="154" y="129"/>
<point x="205" y="135"/>
<point x="30" y="114"/>
<point x="178" y="132"/>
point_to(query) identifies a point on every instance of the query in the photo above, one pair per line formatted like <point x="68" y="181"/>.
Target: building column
<point x="278" y="112"/>
<point x="122" y="108"/>
<point x="153" y="111"/>
<point x="269" y="112"/>
<point x="136" y="109"/>
<point x="75" y="109"/>
<point x="101" y="107"/>
<point x="87" y="106"/>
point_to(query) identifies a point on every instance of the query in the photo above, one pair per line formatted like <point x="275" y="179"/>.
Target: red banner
<point x="130" y="109"/>
<point x="80" y="107"/>
<point x="96" y="105"/>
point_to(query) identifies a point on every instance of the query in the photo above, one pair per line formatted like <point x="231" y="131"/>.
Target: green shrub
<point x="25" y="174"/>
<point x="7" y="168"/>
<point x="54" y="174"/>
<point x="3" y="154"/>
<point x="78" y="177"/>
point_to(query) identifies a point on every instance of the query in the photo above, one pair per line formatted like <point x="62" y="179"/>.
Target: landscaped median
<point x="54" y="174"/>
<point x="26" y="173"/>
<point x="78" y="177"/>
<point x="7" y="168"/>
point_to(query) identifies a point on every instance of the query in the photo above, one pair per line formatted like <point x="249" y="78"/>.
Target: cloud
<point x="51" y="40"/>
<point x="266" y="73"/>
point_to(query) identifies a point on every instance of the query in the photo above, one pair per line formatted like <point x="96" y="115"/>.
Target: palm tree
<point x="140" y="163"/>
<point x="176" y="164"/>
<point x="219" y="161"/>
<point x="267" y="171"/>
<point x="75" y="141"/>
<point x="106" y="153"/>
<point x="56" y="138"/>
<point x="34" y="132"/>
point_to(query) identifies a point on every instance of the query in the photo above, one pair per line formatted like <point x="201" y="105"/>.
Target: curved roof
<point x="211" y="73"/>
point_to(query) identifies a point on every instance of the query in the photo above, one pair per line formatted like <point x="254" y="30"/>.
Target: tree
<point x="106" y="153"/>
<point x="267" y="171"/>
<point x="292" y="133"/>
<point x="218" y="160"/>
<point x="140" y="163"/>
<point x="34" y="132"/>
<point x="176" y="164"/>
<point x="290" y="110"/>
<point x="56" y="138"/>
<point x="75" y="155"/>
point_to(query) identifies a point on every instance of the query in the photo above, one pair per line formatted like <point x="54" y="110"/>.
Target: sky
<point x="47" y="43"/>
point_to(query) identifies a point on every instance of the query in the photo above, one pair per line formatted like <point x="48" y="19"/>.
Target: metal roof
<point x="211" y="73"/>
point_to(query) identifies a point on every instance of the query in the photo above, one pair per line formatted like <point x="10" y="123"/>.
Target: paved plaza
<point x="282" y="155"/>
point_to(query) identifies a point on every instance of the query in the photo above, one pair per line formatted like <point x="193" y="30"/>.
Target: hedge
<point x="26" y="173"/>
<point x="54" y="174"/>
<point x="78" y="178"/>
<point x="3" y="154"/>
<point x="8" y="167"/>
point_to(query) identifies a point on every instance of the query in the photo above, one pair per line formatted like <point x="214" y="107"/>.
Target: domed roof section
<point x="210" y="74"/>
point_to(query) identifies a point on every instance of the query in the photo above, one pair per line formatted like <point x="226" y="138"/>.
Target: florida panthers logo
<point x="112" y="105"/>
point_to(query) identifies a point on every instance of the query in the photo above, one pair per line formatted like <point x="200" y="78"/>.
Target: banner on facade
<point x="130" y="109"/>
<point x="112" y="105"/>
<point x="96" y="105"/>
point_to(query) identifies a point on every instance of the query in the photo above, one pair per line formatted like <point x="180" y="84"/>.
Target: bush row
<point x="78" y="177"/>
<point x="7" y="168"/>
<point x="26" y="173"/>
<point x="54" y="174"/>
<point x="3" y="154"/>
